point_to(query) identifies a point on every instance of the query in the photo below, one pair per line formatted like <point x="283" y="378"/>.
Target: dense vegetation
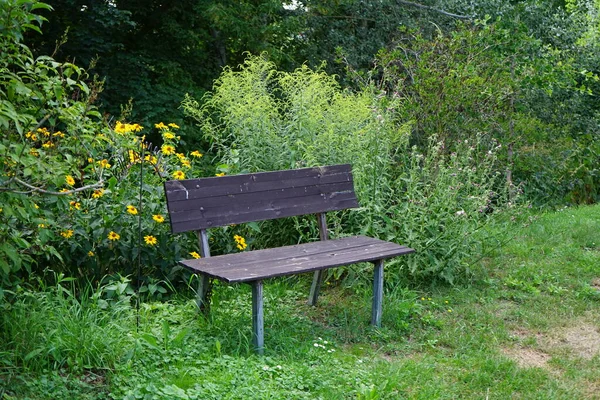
<point x="456" y="117"/>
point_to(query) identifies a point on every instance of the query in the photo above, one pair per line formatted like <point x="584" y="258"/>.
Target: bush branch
<point x="96" y="185"/>
<point x="410" y="3"/>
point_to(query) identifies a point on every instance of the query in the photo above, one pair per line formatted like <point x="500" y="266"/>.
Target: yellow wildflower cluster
<point x="240" y="242"/>
<point x="168" y="149"/>
<point x="178" y="175"/>
<point x="104" y="164"/>
<point x="123" y="129"/>
<point x="98" y="193"/>
<point x="113" y="236"/>
<point x="150" y="240"/>
<point x="194" y="254"/>
<point x="132" y="210"/>
<point x="67" y="234"/>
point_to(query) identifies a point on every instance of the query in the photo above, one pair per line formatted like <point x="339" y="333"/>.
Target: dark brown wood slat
<point x="233" y="207"/>
<point x="218" y="186"/>
<point x="257" y="197"/>
<point x="291" y="251"/>
<point x="262" y="264"/>
<point x="265" y="176"/>
<point x="222" y="220"/>
<point x="277" y="260"/>
<point x="250" y="186"/>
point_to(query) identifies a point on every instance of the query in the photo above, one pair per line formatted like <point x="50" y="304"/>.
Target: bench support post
<point x="204" y="292"/>
<point x="314" y="288"/>
<point x="377" y="294"/>
<point x="318" y="275"/>
<point x="258" y="330"/>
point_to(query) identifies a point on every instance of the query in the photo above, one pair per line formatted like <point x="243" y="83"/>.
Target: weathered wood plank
<point x="198" y="221"/>
<point x="210" y="202"/>
<point x="189" y="189"/>
<point x="307" y="257"/>
<point x="258" y="196"/>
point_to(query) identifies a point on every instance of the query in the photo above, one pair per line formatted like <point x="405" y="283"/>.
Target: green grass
<point x="527" y="326"/>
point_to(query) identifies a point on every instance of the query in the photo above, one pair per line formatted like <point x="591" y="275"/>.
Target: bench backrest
<point x="196" y="204"/>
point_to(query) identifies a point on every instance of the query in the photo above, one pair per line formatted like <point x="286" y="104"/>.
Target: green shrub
<point x="259" y="119"/>
<point x="72" y="194"/>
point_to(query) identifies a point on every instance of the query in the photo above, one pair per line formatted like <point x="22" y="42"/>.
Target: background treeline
<point x="528" y="75"/>
<point x="453" y="114"/>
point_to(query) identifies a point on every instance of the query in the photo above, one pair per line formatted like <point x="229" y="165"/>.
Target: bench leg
<point x="258" y="330"/>
<point x="314" y="288"/>
<point x="203" y="293"/>
<point x="377" y="294"/>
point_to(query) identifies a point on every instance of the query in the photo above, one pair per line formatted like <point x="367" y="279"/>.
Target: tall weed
<point x="432" y="199"/>
<point x="55" y="328"/>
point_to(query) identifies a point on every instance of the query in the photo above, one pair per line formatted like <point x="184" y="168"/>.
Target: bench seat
<point x="288" y="260"/>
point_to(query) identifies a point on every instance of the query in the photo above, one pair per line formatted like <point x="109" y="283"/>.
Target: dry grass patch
<point x="527" y="358"/>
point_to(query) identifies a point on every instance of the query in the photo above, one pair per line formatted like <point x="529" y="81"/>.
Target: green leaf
<point x="254" y="226"/>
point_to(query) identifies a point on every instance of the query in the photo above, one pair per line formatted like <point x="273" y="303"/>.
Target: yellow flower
<point x="181" y="156"/>
<point x="151" y="159"/>
<point x="178" y="175"/>
<point x="134" y="157"/>
<point x="160" y="125"/>
<point x="66" y="234"/>
<point x="186" y="163"/>
<point x="220" y="174"/>
<point x="136" y="127"/>
<point x="90" y="253"/>
<point x="194" y="254"/>
<point x="167" y="149"/>
<point x="34" y="152"/>
<point x="150" y="240"/>
<point x="36" y="206"/>
<point x="196" y="153"/>
<point x="104" y="163"/>
<point x="48" y="144"/>
<point x="158" y="218"/>
<point x="98" y="193"/>
<point x="41" y="225"/>
<point x="174" y="125"/>
<point x="43" y="131"/>
<point x="132" y="210"/>
<point x="59" y="134"/>
<point x="168" y="135"/>
<point x="120" y="128"/>
<point x="75" y="205"/>
<point x="113" y="236"/>
<point x="69" y="179"/>
<point x="241" y="242"/>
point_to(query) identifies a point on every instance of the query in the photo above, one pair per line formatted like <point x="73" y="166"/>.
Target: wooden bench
<point x="199" y="204"/>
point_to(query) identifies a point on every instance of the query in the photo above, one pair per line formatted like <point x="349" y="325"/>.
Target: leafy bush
<point x="259" y="119"/>
<point x="78" y="194"/>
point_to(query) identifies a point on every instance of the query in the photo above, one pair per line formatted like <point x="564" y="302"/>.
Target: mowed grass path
<point x="526" y="327"/>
